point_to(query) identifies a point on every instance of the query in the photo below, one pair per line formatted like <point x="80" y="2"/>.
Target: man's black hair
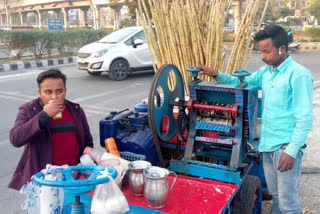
<point x="52" y="73"/>
<point x="278" y="35"/>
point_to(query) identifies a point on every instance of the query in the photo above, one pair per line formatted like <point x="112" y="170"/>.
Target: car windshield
<point x="117" y="36"/>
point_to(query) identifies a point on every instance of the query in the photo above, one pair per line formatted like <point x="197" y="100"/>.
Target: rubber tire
<point x="293" y="50"/>
<point x="94" y="73"/>
<point x="119" y="70"/>
<point x="243" y="201"/>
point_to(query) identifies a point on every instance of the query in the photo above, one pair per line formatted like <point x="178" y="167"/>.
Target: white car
<point x="118" y="53"/>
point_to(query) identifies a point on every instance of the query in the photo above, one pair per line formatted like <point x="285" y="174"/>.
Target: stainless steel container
<point x="156" y="188"/>
<point x="136" y="180"/>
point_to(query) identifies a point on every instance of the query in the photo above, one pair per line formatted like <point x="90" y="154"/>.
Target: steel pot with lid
<point x="136" y="180"/>
<point x="156" y="187"/>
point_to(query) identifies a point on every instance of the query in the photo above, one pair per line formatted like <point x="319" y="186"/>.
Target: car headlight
<point x="99" y="54"/>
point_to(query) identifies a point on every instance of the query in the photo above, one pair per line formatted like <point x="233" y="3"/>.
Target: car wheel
<point x="95" y="73"/>
<point x="119" y="70"/>
<point x="248" y="198"/>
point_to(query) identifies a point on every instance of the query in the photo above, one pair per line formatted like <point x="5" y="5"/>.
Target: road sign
<point x="55" y="24"/>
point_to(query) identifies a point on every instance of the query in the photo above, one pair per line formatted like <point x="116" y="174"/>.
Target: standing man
<point x="52" y="129"/>
<point x="287" y="89"/>
<point x="87" y="26"/>
<point x="290" y="36"/>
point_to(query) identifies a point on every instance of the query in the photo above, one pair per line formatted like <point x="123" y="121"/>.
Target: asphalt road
<point x="98" y="96"/>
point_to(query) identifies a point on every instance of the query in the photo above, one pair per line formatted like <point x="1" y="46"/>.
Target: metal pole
<point x="7" y="15"/>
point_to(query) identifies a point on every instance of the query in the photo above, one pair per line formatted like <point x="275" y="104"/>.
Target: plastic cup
<point x="51" y="198"/>
<point x="86" y="160"/>
<point x="58" y="115"/>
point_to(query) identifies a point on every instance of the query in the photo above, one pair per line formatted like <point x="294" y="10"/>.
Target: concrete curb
<point x="305" y="46"/>
<point x="20" y="65"/>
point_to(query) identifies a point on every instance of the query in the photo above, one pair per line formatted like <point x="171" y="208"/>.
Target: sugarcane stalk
<point x="190" y="32"/>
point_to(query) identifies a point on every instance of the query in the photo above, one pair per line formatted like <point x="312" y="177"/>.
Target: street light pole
<point x="7" y="15"/>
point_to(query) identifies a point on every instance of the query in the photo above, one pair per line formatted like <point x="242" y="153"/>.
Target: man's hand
<point x="53" y="107"/>
<point x="207" y="71"/>
<point x="286" y="162"/>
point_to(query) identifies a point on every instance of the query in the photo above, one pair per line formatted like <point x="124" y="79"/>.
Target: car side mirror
<point x="137" y="42"/>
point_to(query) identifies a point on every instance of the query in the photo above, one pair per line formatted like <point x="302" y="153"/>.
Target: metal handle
<point x="174" y="180"/>
<point x="69" y="181"/>
<point x="194" y="71"/>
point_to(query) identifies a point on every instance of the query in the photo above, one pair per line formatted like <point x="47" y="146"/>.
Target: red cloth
<point x="191" y="195"/>
<point x="65" y="145"/>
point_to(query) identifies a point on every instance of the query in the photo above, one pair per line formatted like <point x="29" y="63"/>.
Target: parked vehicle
<point x="294" y="46"/>
<point x="118" y="53"/>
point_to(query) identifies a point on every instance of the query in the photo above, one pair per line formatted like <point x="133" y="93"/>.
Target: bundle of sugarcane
<point x="190" y="32"/>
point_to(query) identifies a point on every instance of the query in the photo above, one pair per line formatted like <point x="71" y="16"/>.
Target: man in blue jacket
<point x="47" y="137"/>
<point x="290" y="36"/>
<point x="287" y="89"/>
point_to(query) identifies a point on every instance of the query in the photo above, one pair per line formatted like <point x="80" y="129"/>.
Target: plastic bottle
<point x="111" y="146"/>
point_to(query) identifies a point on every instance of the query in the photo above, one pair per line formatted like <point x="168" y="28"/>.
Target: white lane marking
<point x="82" y="99"/>
<point x="13" y="95"/>
<point x="17" y="94"/>
<point x="14" y="98"/>
<point x="13" y="76"/>
<point x="93" y="112"/>
<point x="95" y="107"/>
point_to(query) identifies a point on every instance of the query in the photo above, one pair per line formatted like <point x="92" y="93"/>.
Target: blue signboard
<point x="55" y="24"/>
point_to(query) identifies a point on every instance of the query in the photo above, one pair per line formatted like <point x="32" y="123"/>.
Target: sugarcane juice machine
<point x="220" y="121"/>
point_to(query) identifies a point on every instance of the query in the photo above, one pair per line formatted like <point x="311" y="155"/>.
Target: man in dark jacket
<point x="290" y="36"/>
<point x="52" y="129"/>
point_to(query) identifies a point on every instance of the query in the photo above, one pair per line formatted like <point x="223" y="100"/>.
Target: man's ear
<point x="283" y="49"/>
<point x="39" y="92"/>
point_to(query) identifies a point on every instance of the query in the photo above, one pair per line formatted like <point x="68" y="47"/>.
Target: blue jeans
<point x="282" y="185"/>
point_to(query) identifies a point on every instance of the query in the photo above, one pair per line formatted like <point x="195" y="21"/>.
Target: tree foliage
<point x="46" y="42"/>
<point x="272" y="13"/>
<point x="132" y="6"/>
<point x="314" y="8"/>
<point x="285" y="11"/>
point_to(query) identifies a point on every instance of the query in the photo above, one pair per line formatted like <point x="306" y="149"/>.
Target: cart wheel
<point x="248" y="198"/>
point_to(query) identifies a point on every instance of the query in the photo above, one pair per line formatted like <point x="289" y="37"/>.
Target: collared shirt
<point x="286" y="105"/>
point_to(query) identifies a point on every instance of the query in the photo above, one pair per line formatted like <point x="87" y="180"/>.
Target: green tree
<point x="132" y="6"/>
<point x="285" y="11"/>
<point x="314" y="8"/>
<point x="272" y="13"/>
